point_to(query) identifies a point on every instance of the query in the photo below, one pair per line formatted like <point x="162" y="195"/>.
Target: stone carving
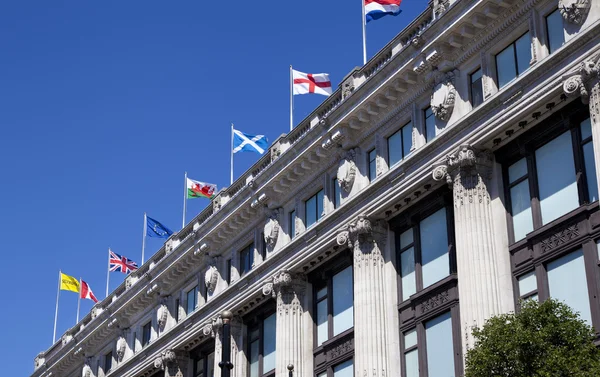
<point x="346" y="172"/>
<point x="121" y="347"/>
<point x="212" y="328"/>
<point x="87" y="370"/>
<point x="165" y="358"/>
<point x="161" y="316"/>
<point x="40" y="359"/>
<point x="287" y="289"/>
<point x="581" y="80"/>
<point x="340" y="349"/>
<point x="211" y="277"/>
<point x="169" y="246"/>
<point x="560" y="238"/>
<point x="574" y="11"/>
<point x="361" y="235"/>
<point x="66" y="338"/>
<point x="279" y="280"/>
<point x="443" y="98"/>
<point x="271" y="229"/>
<point x="435" y="301"/>
<point x="439" y="7"/>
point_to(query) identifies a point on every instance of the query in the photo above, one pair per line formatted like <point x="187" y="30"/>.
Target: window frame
<point x="403" y="153"/>
<point x="318" y="216"/>
<point x="195" y="289"/>
<point x="512" y="44"/>
<point x="108" y="359"/>
<point x="473" y="106"/>
<point x="425" y="117"/>
<point x="336" y="197"/>
<point x="254" y="320"/>
<point x="547" y="30"/>
<point x="372" y="170"/>
<point x="202" y="353"/>
<point x="145" y="342"/>
<point x="250" y="250"/>
<point x="292" y="223"/>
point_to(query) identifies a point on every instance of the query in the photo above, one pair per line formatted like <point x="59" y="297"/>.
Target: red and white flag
<point x="86" y="292"/>
<point x="305" y="83"/>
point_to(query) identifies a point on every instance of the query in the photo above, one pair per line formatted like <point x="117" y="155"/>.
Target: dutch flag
<point x="375" y="9"/>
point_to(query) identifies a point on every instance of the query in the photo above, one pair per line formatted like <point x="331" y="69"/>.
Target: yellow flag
<point x="69" y="283"/>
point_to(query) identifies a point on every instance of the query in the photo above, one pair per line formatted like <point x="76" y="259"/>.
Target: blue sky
<point x="105" y="104"/>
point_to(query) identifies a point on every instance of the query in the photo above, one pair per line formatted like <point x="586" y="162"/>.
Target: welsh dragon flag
<point x="197" y="189"/>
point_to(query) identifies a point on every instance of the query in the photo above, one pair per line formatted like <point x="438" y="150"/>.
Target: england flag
<point x="305" y="83"/>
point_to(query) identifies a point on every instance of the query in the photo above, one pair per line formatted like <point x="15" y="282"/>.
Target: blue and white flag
<point x="243" y="142"/>
<point x="156" y="229"/>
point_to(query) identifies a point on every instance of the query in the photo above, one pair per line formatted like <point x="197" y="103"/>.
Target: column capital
<point x="360" y="230"/>
<point x="284" y="281"/>
<point x="466" y="159"/>
<point x="581" y="79"/>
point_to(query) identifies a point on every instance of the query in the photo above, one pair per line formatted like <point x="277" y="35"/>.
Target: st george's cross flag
<point x="117" y="262"/>
<point x="375" y="9"/>
<point x="197" y="189"/>
<point x="86" y="292"/>
<point x="243" y="142"/>
<point x="305" y="83"/>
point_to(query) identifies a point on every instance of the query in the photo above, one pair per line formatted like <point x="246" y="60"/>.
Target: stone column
<point x="214" y="330"/>
<point x="585" y="81"/>
<point x="292" y="336"/>
<point x="237" y="343"/>
<point x="482" y="272"/>
<point x="366" y="239"/>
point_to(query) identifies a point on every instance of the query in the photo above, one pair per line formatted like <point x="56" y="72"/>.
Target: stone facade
<point x="453" y="164"/>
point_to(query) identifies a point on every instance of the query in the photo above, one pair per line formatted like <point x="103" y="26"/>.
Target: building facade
<point x="451" y="176"/>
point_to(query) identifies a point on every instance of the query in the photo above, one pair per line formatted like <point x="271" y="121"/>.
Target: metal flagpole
<point x="56" y="312"/>
<point x="231" y="146"/>
<point x="291" y="98"/>
<point x="144" y="237"/>
<point x="107" y="272"/>
<point x="364" y="32"/>
<point x="78" y="302"/>
<point x="184" y="199"/>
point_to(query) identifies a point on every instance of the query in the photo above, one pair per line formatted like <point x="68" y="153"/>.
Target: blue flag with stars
<point x="156" y="229"/>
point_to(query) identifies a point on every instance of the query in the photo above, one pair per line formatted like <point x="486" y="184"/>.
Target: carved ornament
<point x="87" y="370"/>
<point x="165" y="358"/>
<point x="574" y="11"/>
<point x="581" y="81"/>
<point x="272" y="228"/>
<point x="40" y="359"/>
<point x="121" y="347"/>
<point x="443" y="98"/>
<point x="211" y="277"/>
<point x="346" y="172"/>
<point x="161" y="316"/>
<point x="435" y="301"/>
<point x="560" y="238"/>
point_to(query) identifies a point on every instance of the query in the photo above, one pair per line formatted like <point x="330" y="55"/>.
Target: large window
<point x="191" y="300"/>
<point x="372" y="164"/>
<point x="430" y="128"/>
<point x="246" y="259"/>
<point x="555" y="31"/>
<point x="314" y="209"/>
<point x="204" y="364"/>
<point x="399" y="144"/>
<point x="555" y="176"/>
<point x="334" y="305"/>
<point x="108" y="359"/>
<point x="476" y="88"/>
<point x="513" y="60"/>
<point x="261" y="345"/>
<point x="146" y="333"/>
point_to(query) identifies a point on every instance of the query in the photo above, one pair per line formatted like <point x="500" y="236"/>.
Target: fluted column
<point x="481" y="270"/>
<point x="292" y="336"/>
<point x="366" y="239"/>
<point x="584" y="81"/>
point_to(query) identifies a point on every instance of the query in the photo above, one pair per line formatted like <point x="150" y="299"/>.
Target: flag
<point x="243" y="142"/>
<point x="197" y="189"/>
<point x="375" y="9"/>
<point x="69" y="283"/>
<point x="318" y="83"/>
<point x="117" y="262"/>
<point x="156" y="229"/>
<point x="86" y="292"/>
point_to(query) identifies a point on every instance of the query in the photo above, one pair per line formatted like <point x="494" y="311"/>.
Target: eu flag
<point x="156" y="229"/>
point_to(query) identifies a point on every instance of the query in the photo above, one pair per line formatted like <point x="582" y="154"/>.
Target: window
<point x="588" y="159"/>
<point x="263" y="246"/>
<point x="176" y="312"/>
<point x="146" y="333"/>
<point x="372" y="164"/>
<point x="528" y="286"/>
<point x="411" y="354"/>
<point x="520" y="199"/>
<point x="430" y="128"/>
<point x="334" y="305"/>
<point x="108" y="359"/>
<point x="337" y="193"/>
<point x="314" y="208"/>
<point x="246" y="259"/>
<point x="476" y="87"/>
<point x="204" y="364"/>
<point x="555" y="31"/>
<point x="228" y="271"/>
<point x="513" y="60"/>
<point x="292" y="224"/>
<point x="261" y="346"/>
<point x="426" y="261"/>
<point x="192" y="300"/>
<point x="345" y="369"/>
<point x="399" y="144"/>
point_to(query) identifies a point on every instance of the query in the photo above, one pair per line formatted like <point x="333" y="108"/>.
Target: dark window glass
<point x="337" y="193"/>
<point x="476" y="88"/>
<point x="314" y="208"/>
<point x="263" y="246"/>
<point x="108" y="362"/>
<point x="372" y="165"/>
<point x="204" y="366"/>
<point x="588" y="159"/>
<point x="399" y="144"/>
<point x="430" y="128"/>
<point x="176" y="312"/>
<point x="292" y="220"/>
<point x="513" y="60"/>
<point x="246" y="259"/>
<point x="192" y="300"/>
<point x="556" y="33"/>
<point x="146" y="333"/>
<point x="228" y="271"/>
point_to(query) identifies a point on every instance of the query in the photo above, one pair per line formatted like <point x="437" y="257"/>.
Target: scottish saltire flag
<point x="156" y="229"/>
<point x="243" y="142"/>
<point x="119" y="263"/>
<point x="375" y="9"/>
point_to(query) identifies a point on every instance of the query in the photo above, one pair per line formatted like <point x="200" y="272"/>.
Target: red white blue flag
<point x="117" y="262"/>
<point x="375" y="9"/>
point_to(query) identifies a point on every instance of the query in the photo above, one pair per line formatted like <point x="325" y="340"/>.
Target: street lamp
<point x="225" y="364"/>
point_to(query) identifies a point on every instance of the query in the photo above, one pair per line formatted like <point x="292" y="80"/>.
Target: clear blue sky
<point x="105" y="104"/>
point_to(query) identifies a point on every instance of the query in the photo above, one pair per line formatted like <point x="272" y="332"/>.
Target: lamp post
<point x="225" y="364"/>
<point x="291" y="369"/>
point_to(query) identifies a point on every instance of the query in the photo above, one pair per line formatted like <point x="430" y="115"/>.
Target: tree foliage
<point x="542" y="340"/>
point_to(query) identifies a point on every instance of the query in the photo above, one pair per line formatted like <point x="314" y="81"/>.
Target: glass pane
<point x="345" y="369"/>
<point x="320" y="211"/>
<point x="411" y="360"/>
<point x="343" y="297"/>
<point x="533" y="297"/>
<point x="523" y="47"/>
<point x="372" y="165"/>
<point x="527" y="283"/>
<point x="556" y="34"/>
<point x="337" y="193"/>
<point x="292" y="224"/>
<point x="200" y="367"/>
<point x="434" y="248"/>
<point x="590" y="170"/>
<point x="210" y="368"/>
<point x="395" y="148"/>
<point x="598" y="247"/>
<point x="517" y="170"/>
<point x="430" y="128"/>
<point x="567" y="282"/>
<point x="407" y="273"/>
<point x="254" y="359"/>
<point x="521" y="210"/>
<point x="406" y="238"/>
<point x="311" y="211"/>
<point x="322" y="334"/>
<point x="586" y="129"/>
<point x="556" y="178"/>
<point x="324" y="374"/>
<point x="410" y="339"/>
<point x="440" y="351"/>
<point x="505" y="65"/>
<point x="254" y="334"/>
<point x="476" y="88"/>
<point x="269" y="343"/>
<point x="321" y="293"/>
<point x="406" y="139"/>
<point x="191" y="300"/>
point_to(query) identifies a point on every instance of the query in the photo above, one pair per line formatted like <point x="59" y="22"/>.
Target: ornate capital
<point x="360" y="230"/>
<point x="165" y="358"/>
<point x="346" y="172"/>
<point x="574" y="11"/>
<point x="581" y="80"/>
<point x="285" y="282"/>
<point x="211" y="277"/>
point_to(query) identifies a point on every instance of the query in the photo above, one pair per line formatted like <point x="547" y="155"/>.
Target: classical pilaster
<point x="292" y="336"/>
<point x="237" y="343"/>
<point x="584" y="81"/>
<point x="481" y="269"/>
<point x="366" y="239"/>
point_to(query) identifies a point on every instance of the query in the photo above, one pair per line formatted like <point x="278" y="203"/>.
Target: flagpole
<point x="144" y="237"/>
<point x="78" y="302"/>
<point x="184" y="200"/>
<point x="56" y="311"/>
<point x="107" y="272"/>
<point x="291" y="98"/>
<point x="364" y="33"/>
<point x="231" y="146"/>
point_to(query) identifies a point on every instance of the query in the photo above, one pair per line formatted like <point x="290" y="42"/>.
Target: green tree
<point x="542" y="340"/>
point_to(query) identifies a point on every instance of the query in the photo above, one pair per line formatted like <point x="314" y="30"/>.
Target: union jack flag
<point x="119" y="263"/>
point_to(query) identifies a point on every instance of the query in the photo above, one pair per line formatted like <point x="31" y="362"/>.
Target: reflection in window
<point x="261" y="345"/>
<point x="440" y="351"/>
<point x="314" y="209"/>
<point x="407" y="264"/>
<point x="556" y="33"/>
<point x="372" y="165"/>
<point x="337" y="193"/>
<point x="430" y="129"/>
<point x="411" y="354"/>
<point x="476" y="88"/>
<point x="399" y="144"/>
<point x="345" y="369"/>
<point x="343" y="299"/>
<point x="146" y="333"/>
<point x="567" y="282"/>
<point x="588" y="159"/>
<point x="513" y="60"/>
<point x="434" y="248"/>
<point x="192" y="300"/>
<point x="520" y="199"/>
<point x="246" y="259"/>
<point x="292" y="224"/>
